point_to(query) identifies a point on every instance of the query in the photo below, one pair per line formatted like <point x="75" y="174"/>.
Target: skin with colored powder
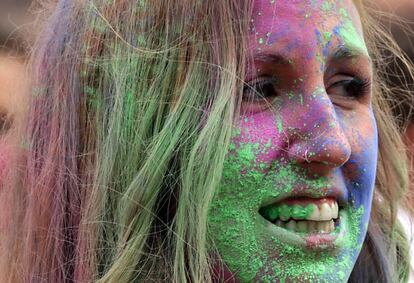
<point x="306" y="139"/>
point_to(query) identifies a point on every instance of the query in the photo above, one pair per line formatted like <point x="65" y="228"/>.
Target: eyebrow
<point x="343" y="52"/>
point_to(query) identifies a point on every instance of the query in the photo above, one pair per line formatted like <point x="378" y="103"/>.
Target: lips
<point x="304" y="215"/>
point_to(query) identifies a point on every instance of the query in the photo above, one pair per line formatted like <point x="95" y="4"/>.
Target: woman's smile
<point x="303" y="215"/>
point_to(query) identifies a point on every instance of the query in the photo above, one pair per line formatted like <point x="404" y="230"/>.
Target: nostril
<point x="326" y="152"/>
<point x="320" y="140"/>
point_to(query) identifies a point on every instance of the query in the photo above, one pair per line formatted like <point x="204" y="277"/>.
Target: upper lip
<point x="340" y="195"/>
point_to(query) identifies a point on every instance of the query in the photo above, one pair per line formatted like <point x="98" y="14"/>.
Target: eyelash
<point x="354" y="88"/>
<point x="260" y="89"/>
<point x="265" y="88"/>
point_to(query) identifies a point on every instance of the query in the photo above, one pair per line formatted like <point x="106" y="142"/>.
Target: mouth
<point x="303" y="215"/>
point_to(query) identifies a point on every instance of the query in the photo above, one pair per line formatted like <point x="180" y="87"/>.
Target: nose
<point x="318" y="140"/>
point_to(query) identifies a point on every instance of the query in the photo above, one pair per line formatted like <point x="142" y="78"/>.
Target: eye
<point x="259" y="90"/>
<point x="349" y="87"/>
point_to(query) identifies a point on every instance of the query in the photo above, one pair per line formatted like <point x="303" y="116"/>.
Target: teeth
<point x="335" y="211"/>
<point x="315" y="215"/>
<point x="320" y="226"/>
<point x="317" y="227"/>
<point x="296" y="211"/>
<point x="331" y="226"/>
<point x="280" y="223"/>
<point x="284" y="212"/>
<point x="291" y="225"/>
<point x="311" y="226"/>
<point x="322" y="212"/>
<point x="326" y="228"/>
<point x="325" y="212"/>
<point x="302" y="226"/>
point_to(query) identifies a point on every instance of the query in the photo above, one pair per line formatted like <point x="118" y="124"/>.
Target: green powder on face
<point x="268" y="145"/>
<point x="250" y="251"/>
<point x="326" y="6"/>
<point x="246" y="154"/>
<point x="301" y="212"/>
<point x="343" y="12"/>
<point x="319" y="58"/>
<point x="327" y="36"/>
<point x="349" y="34"/>
<point x="318" y="92"/>
<point x="279" y="125"/>
<point x="285" y="211"/>
<point x="297" y="264"/>
<point x="301" y="98"/>
<point x="272" y="212"/>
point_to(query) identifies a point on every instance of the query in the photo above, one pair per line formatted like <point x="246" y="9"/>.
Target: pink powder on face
<point x="266" y="31"/>
<point x="299" y="34"/>
<point x="260" y="128"/>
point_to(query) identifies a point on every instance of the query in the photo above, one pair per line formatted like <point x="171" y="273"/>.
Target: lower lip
<point x="322" y="241"/>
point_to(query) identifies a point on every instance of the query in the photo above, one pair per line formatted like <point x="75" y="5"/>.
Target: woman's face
<point x="298" y="181"/>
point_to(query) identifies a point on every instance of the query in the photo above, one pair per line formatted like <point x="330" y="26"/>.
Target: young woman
<point x="199" y="141"/>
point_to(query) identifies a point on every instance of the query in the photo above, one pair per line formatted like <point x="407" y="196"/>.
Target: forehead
<point x="305" y="24"/>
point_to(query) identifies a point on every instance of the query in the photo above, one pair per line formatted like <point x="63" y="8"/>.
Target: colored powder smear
<point x="238" y="232"/>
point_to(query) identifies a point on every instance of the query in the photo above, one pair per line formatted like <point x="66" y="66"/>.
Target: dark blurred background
<point x="402" y="29"/>
<point x="14" y="18"/>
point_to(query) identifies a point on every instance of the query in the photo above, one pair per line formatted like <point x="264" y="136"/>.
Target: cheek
<point x="360" y="128"/>
<point x="360" y="170"/>
<point x="263" y="130"/>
